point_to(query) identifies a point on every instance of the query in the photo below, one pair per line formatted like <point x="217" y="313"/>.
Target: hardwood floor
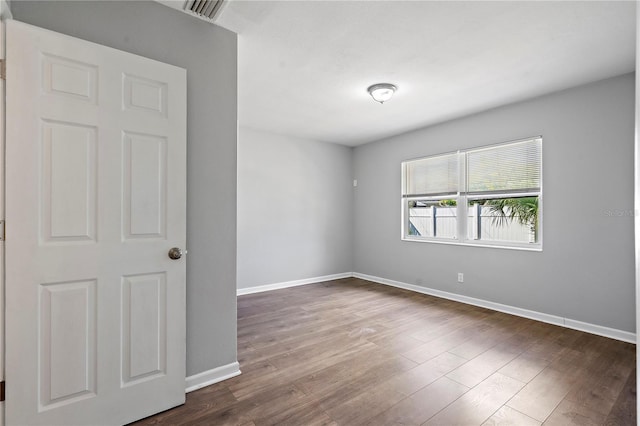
<point x="350" y="352"/>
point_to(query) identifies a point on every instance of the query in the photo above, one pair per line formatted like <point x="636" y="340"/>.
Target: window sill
<point x="497" y="245"/>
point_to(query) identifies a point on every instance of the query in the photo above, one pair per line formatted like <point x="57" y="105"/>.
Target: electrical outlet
<point x="460" y="277"/>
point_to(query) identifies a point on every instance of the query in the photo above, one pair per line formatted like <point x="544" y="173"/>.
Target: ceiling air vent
<point x="205" y="9"/>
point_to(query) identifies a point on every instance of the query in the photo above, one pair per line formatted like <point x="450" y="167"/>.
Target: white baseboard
<point x="287" y="284"/>
<point x="612" y="333"/>
<point x="212" y="376"/>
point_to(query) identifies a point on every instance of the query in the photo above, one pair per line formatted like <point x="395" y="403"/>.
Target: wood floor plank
<point x="479" y="403"/>
<point x="324" y="333"/>
<point x="356" y="371"/>
<point x="484" y="365"/>
<point x="445" y="343"/>
<point x="542" y="395"/>
<point x="439" y="326"/>
<point x="264" y="338"/>
<point x="507" y="416"/>
<point x="245" y="387"/>
<point x="571" y="413"/>
<point x="269" y="402"/>
<point x="308" y="413"/>
<point x="348" y="352"/>
<point x="398" y="342"/>
<point x="199" y="404"/>
<point x="323" y="350"/>
<point x="545" y="350"/>
<point x="599" y="389"/>
<point x="359" y="381"/>
<point x="426" y="373"/>
<point x="624" y="411"/>
<point x="524" y="368"/>
<point x="422" y="405"/>
<point x="482" y="342"/>
<point x="364" y="406"/>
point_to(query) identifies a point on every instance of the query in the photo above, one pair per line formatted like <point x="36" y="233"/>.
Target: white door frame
<point x="5" y="13"/>
<point x="637" y="194"/>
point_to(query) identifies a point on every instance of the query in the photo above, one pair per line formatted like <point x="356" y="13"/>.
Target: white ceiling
<point x="304" y="66"/>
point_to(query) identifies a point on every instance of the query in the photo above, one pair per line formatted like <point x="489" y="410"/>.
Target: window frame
<point x="463" y="198"/>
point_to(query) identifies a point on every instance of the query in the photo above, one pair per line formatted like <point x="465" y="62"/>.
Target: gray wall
<point x="294" y="209"/>
<point x="209" y="54"/>
<point x="5" y="9"/>
<point x="586" y="269"/>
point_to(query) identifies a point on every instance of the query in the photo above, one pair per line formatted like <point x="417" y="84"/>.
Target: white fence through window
<point x="482" y="224"/>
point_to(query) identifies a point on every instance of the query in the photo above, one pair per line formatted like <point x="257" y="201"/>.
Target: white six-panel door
<point x="95" y="199"/>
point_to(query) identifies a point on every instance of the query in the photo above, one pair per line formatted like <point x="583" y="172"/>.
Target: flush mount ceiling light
<point x="382" y="92"/>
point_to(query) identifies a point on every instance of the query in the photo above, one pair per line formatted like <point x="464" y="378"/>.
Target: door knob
<point x="175" y="253"/>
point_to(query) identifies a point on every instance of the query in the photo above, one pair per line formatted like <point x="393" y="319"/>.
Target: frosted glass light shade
<point x="382" y="92"/>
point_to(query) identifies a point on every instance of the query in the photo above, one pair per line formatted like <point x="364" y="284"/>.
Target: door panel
<point x="145" y="185"/>
<point x="147" y="96"/>
<point x="67" y="341"/>
<point x="68" y="177"/>
<point x="66" y="77"/>
<point x="144" y="323"/>
<point x="95" y="169"/>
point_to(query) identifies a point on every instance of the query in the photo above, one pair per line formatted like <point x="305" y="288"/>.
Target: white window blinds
<point x="514" y="167"/>
<point x="431" y="176"/>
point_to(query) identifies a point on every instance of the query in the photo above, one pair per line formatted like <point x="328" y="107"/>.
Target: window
<point x="485" y="196"/>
